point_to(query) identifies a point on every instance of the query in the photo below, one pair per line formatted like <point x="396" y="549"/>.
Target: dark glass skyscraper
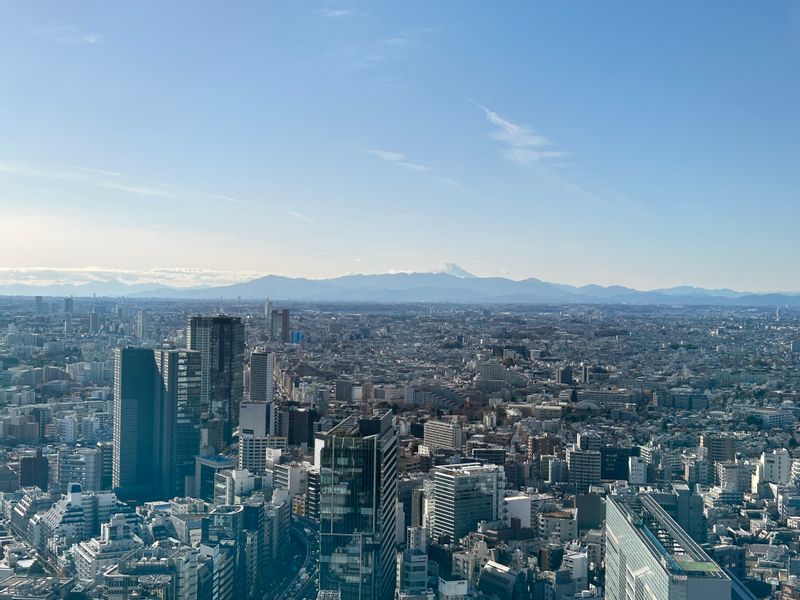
<point x="358" y="492"/>
<point x="179" y="426"/>
<point x="156" y="421"/>
<point x="220" y="341"/>
<point x="137" y="396"/>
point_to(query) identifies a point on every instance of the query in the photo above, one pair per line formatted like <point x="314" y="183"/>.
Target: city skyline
<point x="583" y="145"/>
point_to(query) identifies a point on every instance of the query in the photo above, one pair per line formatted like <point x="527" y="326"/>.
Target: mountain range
<point x="449" y="284"/>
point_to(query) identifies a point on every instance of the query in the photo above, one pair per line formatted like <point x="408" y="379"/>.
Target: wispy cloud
<point x="386" y="155"/>
<point x="111" y="180"/>
<point x="399" y="160"/>
<point x="135" y="189"/>
<point x="299" y="216"/>
<point x="413" y="166"/>
<point x="67" y="34"/>
<point x="392" y="48"/>
<point x="521" y="144"/>
<point x="335" y="13"/>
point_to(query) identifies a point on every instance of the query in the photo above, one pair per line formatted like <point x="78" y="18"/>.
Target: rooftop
<point x="664" y="538"/>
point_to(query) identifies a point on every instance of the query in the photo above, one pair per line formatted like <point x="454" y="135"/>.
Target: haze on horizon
<point x="642" y="145"/>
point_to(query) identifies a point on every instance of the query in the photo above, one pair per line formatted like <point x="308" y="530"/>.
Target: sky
<point x="635" y="143"/>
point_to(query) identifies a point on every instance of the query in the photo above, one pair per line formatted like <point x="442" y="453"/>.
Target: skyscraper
<point x="178" y="429"/>
<point x="262" y="378"/>
<point x="358" y="492"/>
<point x="648" y="555"/>
<point x="143" y="325"/>
<point x="137" y="394"/>
<point x="156" y="421"/>
<point x="220" y="341"/>
<point x="279" y="325"/>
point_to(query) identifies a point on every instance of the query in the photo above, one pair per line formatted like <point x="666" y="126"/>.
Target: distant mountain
<point x="449" y="284"/>
<point x="454" y="270"/>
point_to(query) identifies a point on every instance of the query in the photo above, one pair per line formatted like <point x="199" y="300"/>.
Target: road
<point x="297" y="587"/>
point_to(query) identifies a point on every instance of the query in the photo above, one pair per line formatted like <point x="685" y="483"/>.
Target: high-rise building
<point x="256" y="418"/>
<point x="280" y="325"/>
<point x="220" y="341"/>
<point x="137" y="393"/>
<point x="358" y="493"/>
<point x="301" y="426"/>
<point x="94" y="321"/>
<point x="34" y="470"/>
<point x="443" y="434"/>
<point x="464" y="495"/>
<point x="38" y="304"/>
<point x="584" y="468"/>
<point x="69" y="305"/>
<point x="719" y="446"/>
<point x="773" y="467"/>
<point x="156" y="421"/>
<point x="648" y="555"/>
<point x="262" y="376"/>
<point x="83" y="466"/>
<point x="256" y="435"/>
<point x="178" y="431"/>
<point x="143" y="325"/>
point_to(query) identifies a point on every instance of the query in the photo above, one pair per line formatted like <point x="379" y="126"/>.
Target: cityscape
<point x="419" y="300"/>
<point x="261" y="449"/>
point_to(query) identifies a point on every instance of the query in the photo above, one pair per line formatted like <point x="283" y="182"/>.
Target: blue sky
<point x="635" y="143"/>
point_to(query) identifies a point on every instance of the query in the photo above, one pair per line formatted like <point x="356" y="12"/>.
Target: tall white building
<point x="773" y="467"/>
<point x="143" y="325"/>
<point x="464" y="495"/>
<point x="637" y="470"/>
<point x="443" y="434"/>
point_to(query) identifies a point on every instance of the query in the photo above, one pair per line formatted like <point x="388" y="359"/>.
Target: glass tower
<point x="220" y="341"/>
<point x="358" y="492"/>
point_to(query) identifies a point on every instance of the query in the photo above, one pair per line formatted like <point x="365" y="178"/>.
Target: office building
<point x="137" y="395"/>
<point x="614" y="462"/>
<point x="773" y="467"/>
<point x="637" y="470"/>
<point x="143" y="325"/>
<point x="220" y="341"/>
<point x="464" y="495"/>
<point x="206" y="467"/>
<point x="262" y="378"/>
<point x="280" y="327"/>
<point x="443" y="434"/>
<point x="301" y="426"/>
<point x="83" y="466"/>
<point x="719" y="447"/>
<point x="156" y="422"/>
<point x="34" y="470"/>
<point x="584" y="468"/>
<point x="178" y="429"/>
<point x="358" y="493"/>
<point x="648" y="555"/>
